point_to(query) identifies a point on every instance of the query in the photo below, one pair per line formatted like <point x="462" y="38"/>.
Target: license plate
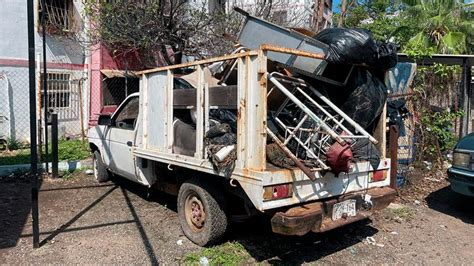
<point x="347" y="207"/>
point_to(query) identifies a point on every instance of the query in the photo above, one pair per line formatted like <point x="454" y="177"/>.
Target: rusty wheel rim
<point x="194" y="211"/>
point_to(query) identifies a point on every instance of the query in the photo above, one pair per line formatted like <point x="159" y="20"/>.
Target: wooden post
<point x="466" y="98"/>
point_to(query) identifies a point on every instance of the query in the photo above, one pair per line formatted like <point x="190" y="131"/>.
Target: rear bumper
<point x="462" y="181"/>
<point x="316" y="216"/>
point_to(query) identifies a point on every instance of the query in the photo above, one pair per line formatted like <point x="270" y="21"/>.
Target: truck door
<point x="121" y="137"/>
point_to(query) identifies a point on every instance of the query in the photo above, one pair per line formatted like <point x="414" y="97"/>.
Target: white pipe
<point x="224" y="152"/>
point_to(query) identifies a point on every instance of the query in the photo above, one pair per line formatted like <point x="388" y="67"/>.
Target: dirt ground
<point x="84" y="222"/>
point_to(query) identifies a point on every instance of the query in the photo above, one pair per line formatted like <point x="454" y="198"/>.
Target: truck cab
<point x="112" y="140"/>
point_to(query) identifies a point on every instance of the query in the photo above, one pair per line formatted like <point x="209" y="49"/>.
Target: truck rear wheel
<point x="100" y="171"/>
<point x="201" y="213"/>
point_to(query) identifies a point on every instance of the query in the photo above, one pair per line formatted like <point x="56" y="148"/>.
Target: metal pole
<point x="33" y="146"/>
<point x="393" y="155"/>
<point x="81" y="109"/>
<point x="126" y="80"/>
<point x="54" y="144"/>
<point x="38" y="102"/>
<point x="45" y="83"/>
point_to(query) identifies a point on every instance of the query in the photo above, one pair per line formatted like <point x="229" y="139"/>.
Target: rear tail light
<point x="277" y="192"/>
<point x="379" y="175"/>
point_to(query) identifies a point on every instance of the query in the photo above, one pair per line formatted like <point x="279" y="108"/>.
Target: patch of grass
<point x="405" y="213"/>
<point x="67" y="175"/>
<point x="68" y="150"/>
<point x="72" y="150"/>
<point x="15" y="157"/>
<point x="228" y="253"/>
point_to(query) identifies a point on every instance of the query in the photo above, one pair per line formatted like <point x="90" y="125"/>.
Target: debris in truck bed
<point x="364" y="150"/>
<point x="224" y="116"/>
<point x="313" y="121"/>
<point x="218" y="130"/>
<point x="277" y="157"/>
<point x="339" y="157"/>
<point x="193" y="78"/>
<point x="220" y="145"/>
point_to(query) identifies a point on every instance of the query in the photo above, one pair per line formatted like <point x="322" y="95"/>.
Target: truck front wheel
<point x="201" y="213"/>
<point x="100" y="171"/>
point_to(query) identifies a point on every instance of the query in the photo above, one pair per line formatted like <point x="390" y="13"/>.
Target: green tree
<point x="444" y="26"/>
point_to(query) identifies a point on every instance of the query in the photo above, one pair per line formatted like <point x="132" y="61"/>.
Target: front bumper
<point x="316" y="216"/>
<point x="462" y="181"/>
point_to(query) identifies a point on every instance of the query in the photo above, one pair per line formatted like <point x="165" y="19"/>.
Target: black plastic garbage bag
<point x="357" y="47"/>
<point x="387" y="56"/>
<point x="364" y="150"/>
<point x="367" y="98"/>
<point x="224" y="116"/>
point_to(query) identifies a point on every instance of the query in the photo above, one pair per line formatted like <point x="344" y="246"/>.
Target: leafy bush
<point x="440" y="126"/>
<point x="13" y="144"/>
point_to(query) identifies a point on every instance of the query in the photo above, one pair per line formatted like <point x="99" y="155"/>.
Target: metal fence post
<point x="33" y="146"/>
<point x="393" y="146"/>
<point x="54" y="144"/>
<point x="45" y="84"/>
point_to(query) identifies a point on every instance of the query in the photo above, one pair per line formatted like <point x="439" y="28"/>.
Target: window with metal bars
<point x="58" y="16"/>
<point x="59" y="91"/>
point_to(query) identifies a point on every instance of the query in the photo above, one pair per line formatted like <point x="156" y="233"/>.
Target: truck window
<point x="128" y="115"/>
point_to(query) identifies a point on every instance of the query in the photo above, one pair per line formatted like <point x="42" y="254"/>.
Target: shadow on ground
<point x="263" y="245"/>
<point x="147" y="194"/>
<point x="255" y="235"/>
<point x="451" y="203"/>
<point x="15" y="206"/>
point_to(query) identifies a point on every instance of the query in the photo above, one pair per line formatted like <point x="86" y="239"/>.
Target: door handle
<point x="129" y="143"/>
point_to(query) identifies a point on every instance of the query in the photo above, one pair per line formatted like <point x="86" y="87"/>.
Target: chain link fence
<point x="67" y="96"/>
<point x="401" y="113"/>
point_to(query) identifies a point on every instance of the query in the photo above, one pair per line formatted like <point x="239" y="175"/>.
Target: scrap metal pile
<point x="321" y="112"/>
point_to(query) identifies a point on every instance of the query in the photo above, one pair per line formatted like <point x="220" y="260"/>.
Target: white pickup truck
<point x="143" y="141"/>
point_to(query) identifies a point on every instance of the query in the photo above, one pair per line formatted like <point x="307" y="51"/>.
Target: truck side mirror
<point x="105" y="120"/>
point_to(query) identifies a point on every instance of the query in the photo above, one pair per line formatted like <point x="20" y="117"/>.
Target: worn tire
<point x="215" y="223"/>
<point x="100" y="171"/>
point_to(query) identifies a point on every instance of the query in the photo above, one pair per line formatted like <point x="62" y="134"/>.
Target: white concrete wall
<point x="299" y="12"/>
<point x="63" y="55"/>
<point x="14" y="36"/>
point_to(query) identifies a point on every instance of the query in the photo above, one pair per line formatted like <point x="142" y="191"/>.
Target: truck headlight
<point x="461" y="159"/>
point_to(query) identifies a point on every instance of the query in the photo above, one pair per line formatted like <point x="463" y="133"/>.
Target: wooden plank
<point x="223" y="97"/>
<point x="200" y="115"/>
<point x="200" y="62"/>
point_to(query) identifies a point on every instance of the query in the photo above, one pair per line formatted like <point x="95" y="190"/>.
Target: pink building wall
<point x="102" y="59"/>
